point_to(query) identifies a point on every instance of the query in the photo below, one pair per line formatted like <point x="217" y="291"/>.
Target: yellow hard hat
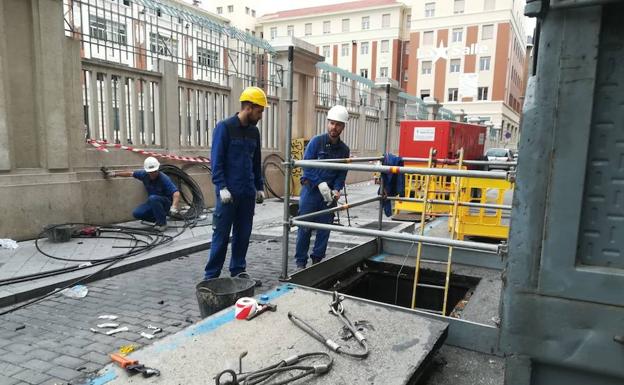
<point x="254" y="95"/>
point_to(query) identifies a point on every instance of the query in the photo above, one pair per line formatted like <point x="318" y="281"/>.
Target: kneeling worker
<point x="321" y="187"/>
<point x="163" y="195"/>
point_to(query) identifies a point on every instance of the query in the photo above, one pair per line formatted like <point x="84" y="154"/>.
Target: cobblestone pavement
<point x="50" y="342"/>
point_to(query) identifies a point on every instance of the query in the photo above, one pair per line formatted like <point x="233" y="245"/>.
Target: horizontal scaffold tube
<point x="450" y="203"/>
<point x="467" y="162"/>
<point x="352" y="160"/>
<point x="402" y="170"/>
<point x="403" y="236"/>
<point x="337" y="208"/>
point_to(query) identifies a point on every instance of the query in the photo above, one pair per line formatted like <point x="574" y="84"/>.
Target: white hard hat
<point x="151" y="164"/>
<point x="338" y="114"/>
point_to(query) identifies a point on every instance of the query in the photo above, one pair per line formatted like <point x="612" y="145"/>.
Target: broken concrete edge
<point x="110" y="372"/>
<point x="178" y="251"/>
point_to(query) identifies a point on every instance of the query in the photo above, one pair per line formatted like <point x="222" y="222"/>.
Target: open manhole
<point x="391" y="284"/>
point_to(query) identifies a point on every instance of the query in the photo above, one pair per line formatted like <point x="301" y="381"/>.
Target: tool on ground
<point x="263" y="307"/>
<point x="118" y="330"/>
<point x="133" y="366"/>
<point x="88" y="231"/>
<point x="294" y="363"/>
<point x="336" y="308"/>
<point x="126" y="349"/>
<point x="112" y="325"/>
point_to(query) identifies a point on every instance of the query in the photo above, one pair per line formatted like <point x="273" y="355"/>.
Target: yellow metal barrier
<point x="440" y="188"/>
<point x="482" y="222"/>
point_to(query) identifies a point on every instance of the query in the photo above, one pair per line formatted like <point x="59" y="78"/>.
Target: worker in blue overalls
<point x="162" y="194"/>
<point x="321" y="187"/>
<point x="237" y="176"/>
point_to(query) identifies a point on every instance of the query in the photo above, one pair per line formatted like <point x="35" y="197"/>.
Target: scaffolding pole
<point x="406" y="170"/>
<point x="450" y="203"/>
<point x="498" y="249"/>
<point x="466" y="162"/>
<point x="288" y="165"/>
<point x="337" y="208"/>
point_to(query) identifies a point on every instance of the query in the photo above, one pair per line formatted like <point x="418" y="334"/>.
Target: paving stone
<point x="37" y="365"/>
<point x="9" y="369"/>
<point x="4" y="380"/>
<point x="19" y="348"/>
<point x="63" y="373"/>
<point x="31" y="377"/>
<point x="68" y="361"/>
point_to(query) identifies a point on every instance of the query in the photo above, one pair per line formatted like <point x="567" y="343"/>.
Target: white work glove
<point x="326" y="192"/>
<point x="259" y="196"/>
<point x="173" y="211"/>
<point x="225" y="195"/>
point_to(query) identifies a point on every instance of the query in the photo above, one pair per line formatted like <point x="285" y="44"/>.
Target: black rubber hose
<point x="277" y="163"/>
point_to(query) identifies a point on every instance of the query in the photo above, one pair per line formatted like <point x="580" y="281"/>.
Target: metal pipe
<point x="288" y="165"/>
<point x="403" y="236"/>
<point x="337" y="208"/>
<point x="404" y="170"/>
<point x="450" y="203"/>
<point x="352" y="160"/>
<point x="469" y="162"/>
<point x="384" y="150"/>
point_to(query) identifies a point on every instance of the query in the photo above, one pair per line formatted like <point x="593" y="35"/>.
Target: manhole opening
<point x="388" y="283"/>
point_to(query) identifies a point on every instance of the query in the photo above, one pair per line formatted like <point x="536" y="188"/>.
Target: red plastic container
<point x="447" y="137"/>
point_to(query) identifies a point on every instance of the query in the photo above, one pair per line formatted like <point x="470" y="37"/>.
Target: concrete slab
<point x="399" y="343"/>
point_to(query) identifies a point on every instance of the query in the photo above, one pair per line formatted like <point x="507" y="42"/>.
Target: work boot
<point x="245" y="275"/>
<point x="316" y="260"/>
<point x="161" y="228"/>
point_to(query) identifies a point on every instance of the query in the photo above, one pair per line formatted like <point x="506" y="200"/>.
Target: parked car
<point x="499" y="155"/>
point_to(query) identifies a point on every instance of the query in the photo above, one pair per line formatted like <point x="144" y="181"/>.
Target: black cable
<point x="268" y="161"/>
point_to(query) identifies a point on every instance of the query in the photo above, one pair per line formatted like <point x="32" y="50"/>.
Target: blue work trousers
<point x="154" y="210"/>
<point x="236" y="216"/>
<point x="311" y="201"/>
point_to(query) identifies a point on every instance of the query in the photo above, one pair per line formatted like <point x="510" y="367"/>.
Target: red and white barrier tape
<point x="101" y="145"/>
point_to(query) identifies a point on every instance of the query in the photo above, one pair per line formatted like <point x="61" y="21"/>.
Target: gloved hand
<point x="326" y="192"/>
<point x="225" y="195"/>
<point x="335" y="195"/>
<point x="259" y="196"/>
<point x="107" y="173"/>
<point x="173" y="211"/>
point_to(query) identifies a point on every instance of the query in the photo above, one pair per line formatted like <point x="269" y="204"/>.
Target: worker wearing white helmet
<point x="321" y="187"/>
<point x="163" y="195"/>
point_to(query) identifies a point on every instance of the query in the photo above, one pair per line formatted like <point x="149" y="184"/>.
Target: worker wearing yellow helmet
<point x="237" y="177"/>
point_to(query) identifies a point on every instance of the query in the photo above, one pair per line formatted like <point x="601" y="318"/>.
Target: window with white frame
<point x="345" y="25"/>
<point x="364" y="73"/>
<point x="290" y="30"/>
<point x="163" y="45"/>
<point x="273" y="32"/>
<point x="458" y="35"/>
<point x="364" y="48"/>
<point x="230" y="8"/>
<point x="429" y="9"/>
<point x="344" y="50"/>
<point x="385" y="46"/>
<point x="408" y="21"/>
<point x="428" y="38"/>
<point x="326" y="51"/>
<point x="219" y="10"/>
<point x="103" y="29"/>
<point x="484" y="63"/>
<point x="406" y="48"/>
<point x="455" y="65"/>
<point x="308" y="29"/>
<point x="385" y="20"/>
<point x="482" y="93"/>
<point x="425" y="68"/>
<point x="458" y="6"/>
<point x="452" y="94"/>
<point x="383" y="72"/>
<point x="207" y="57"/>
<point x="97" y="27"/>
<point x="326" y="27"/>
<point x="487" y="32"/>
<point x="425" y="93"/>
<point x="365" y="22"/>
<point x="489" y="5"/>
<point x="246" y="10"/>
<point x="253" y="13"/>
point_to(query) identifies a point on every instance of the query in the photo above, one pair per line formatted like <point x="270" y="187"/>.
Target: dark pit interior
<point x="393" y="284"/>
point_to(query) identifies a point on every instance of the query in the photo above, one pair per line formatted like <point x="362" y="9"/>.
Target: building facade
<point x="470" y="56"/>
<point x="364" y="37"/>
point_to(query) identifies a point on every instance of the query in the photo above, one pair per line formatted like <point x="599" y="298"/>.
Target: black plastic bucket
<point x="218" y="293"/>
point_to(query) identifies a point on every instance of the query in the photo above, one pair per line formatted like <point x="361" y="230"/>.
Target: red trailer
<point x="447" y="137"/>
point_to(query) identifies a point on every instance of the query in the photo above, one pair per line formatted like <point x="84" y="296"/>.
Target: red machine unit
<point x="447" y="137"/>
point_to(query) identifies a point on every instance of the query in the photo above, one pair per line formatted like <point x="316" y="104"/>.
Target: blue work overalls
<point x="235" y="161"/>
<point x="311" y="200"/>
<point x="159" y="197"/>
